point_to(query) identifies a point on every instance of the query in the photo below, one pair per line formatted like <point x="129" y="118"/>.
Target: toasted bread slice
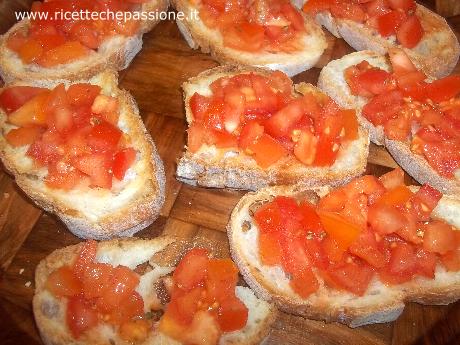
<point x="332" y="82"/>
<point x="115" y="52"/>
<point x="220" y="168"/>
<point x="381" y="303"/>
<point x="50" y="312"/>
<point x="198" y="35"/>
<point x="437" y="53"/>
<point x="131" y="204"/>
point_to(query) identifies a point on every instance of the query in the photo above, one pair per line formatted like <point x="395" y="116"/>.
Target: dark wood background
<point x="27" y="234"/>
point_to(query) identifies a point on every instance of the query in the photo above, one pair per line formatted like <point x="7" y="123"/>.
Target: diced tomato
<point x="439" y="237"/>
<point x="85" y="34"/>
<point x="80" y="316"/>
<point x="315" y="6"/>
<point x="12" y="98"/>
<point x="30" y="51"/>
<point x="267" y="151"/>
<point x="281" y="123"/>
<point x="451" y="260"/>
<point x="376" y="8"/>
<point x="352" y="276"/>
<point x="199" y="105"/>
<point x="304" y="283"/>
<point x="393" y="178"/>
<point x="134" y="331"/>
<point x="397" y="196"/>
<point x="196" y="137"/>
<point x="400" y="62"/>
<point x="398" y="128"/>
<point x="443" y="156"/>
<point x="341" y="230"/>
<point x="268" y="217"/>
<point x="426" y="263"/>
<point x="104" y="137"/>
<point x="62" y="175"/>
<point x="23" y="135"/>
<point x="350" y="124"/>
<point x="366" y="247"/>
<point x="244" y="36"/>
<point x="122" y="161"/>
<point x="270" y="250"/>
<point x="405" y="5"/>
<point x="98" y="166"/>
<point x="382" y="107"/>
<point x="250" y="133"/>
<point x="203" y="330"/>
<point x="403" y="261"/>
<point x="82" y="94"/>
<point x="233" y="314"/>
<point x="444" y="89"/>
<point x="410" y="32"/>
<point x="385" y="219"/>
<point x="348" y="11"/>
<point x="305" y="147"/>
<point x="63" y="283"/>
<point x="310" y="219"/>
<point x="96" y="278"/>
<point x="389" y="23"/>
<point x="424" y="202"/>
<point x="31" y="112"/>
<point x="375" y="81"/>
<point x="192" y="269"/>
<point x="63" y="54"/>
<point x="326" y="151"/>
<point x="334" y="201"/>
<point x="293" y="16"/>
<point x="410" y="80"/>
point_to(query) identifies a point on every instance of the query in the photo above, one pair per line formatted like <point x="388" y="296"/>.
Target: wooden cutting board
<point x="27" y="234"/>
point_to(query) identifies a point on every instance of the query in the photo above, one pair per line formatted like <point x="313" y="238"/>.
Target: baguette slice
<point x="131" y="204"/>
<point x="197" y="34"/>
<point x="161" y="255"/>
<point x="437" y="53"/>
<point x="380" y="304"/>
<point x="332" y="82"/>
<point x="115" y="52"/>
<point x="220" y="168"/>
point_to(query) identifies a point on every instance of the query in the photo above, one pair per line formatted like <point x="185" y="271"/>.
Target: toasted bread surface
<point x="197" y="34"/>
<point x="213" y="167"/>
<point x="50" y="312"/>
<point x="437" y="53"/>
<point x="131" y="204"/>
<point x="115" y="52"/>
<point x="333" y="83"/>
<point x="380" y="303"/>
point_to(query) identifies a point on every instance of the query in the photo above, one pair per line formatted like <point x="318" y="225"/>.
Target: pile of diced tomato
<point x="390" y="17"/>
<point x="203" y="303"/>
<point x="254" y="25"/>
<point x="371" y="227"/>
<point x="100" y="293"/>
<point x="52" y="40"/>
<point x="409" y="108"/>
<point x="259" y="115"/>
<point x="72" y="132"/>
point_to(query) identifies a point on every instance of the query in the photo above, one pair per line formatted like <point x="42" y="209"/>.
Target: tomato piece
<point x="244" y="36"/>
<point x="47" y="149"/>
<point x="389" y="23"/>
<point x="30" y="51"/>
<point x="332" y="250"/>
<point x="410" y="32"/>
<point x="62" y="175"/>
<point x="400" y="62"/>
<point x="282" y="122"/>
<point x="192" y="269"/>
<point x="383" y="107"/>
<point x="305" y="147"/>
<point x="221" y="278"/>
<point x="293" y="16"/>
<point x="315" y="6"/>
<point x="393" y="178"/>
<point x="304" y="283"/>
<point x="199" y="105"/>
<point x="351" y="276"/>
<point x="411" y="80"/>
<point x="376" y="8"/>
<point x="136" y="331"/>
<point x="232" y="315"/>
<point x="234" y="101"/>
<point x="405" y="5"/>
<point x="424" y="201"/>
<point x="203" y="330"/>
<point x="403" y="261"/>
<point x="86" y="256"/>
<point x="397" y="196"/>
<point x="398" y="128"/>
<point x="250" y="133"/>
<point x="340" y="229"/>
<point x="85" y="34"/>
<point x="96" y="279"/>
<point x="374" y="81"/>
<point x="12" y="98"/>
<point x="49" y="41"/>
<point x="385" y="219"/>
<point x="439" y="237"/>
<point x="267" y="151"/>
<point x="268" y="217"/>
<point x="97" y="166"/>
<point x="63" y="54"/>
<point x="444" y="89"/>
<point x="451" y="260"/>
<point x="270" y="250"/>
<point x="122" y="161"/>
<point x="426" y="263"/>
<point x="82" y="94"/>
<point x="366" y="247"/>
<point x="80" y="316"/>
<point x="104" y="137"/>
<point x="196" y="137"/>
<point x="350" y="124"/>
<point x="348" y="11"/>
<point x="63" y="283"/>
<point x="31" y="112"/>
<point x="23" y="135"/>
<point x="310" y="219"/>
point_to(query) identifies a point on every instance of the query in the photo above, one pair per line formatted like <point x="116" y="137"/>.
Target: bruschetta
<point x="264" y="33"/>
<point x="77" y="39"/>
<point x="249" y="128"/>
<point x="145" y="292"/>
<point x="353" y="255"/>
<point x="379" y="25"/>
<point x="414" y="116"/>
<point x="81" y="151"/>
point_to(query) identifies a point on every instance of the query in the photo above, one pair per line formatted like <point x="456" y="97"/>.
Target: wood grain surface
<point x="154" y="78"/>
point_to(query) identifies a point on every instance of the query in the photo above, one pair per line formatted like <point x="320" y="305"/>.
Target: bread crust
<point x="380" y="303"/>
<point x="49" y="312"/>
<point x="437" y="53"/>
<point x="218" y="168"/>
<point x="115" y="52"/>
<point x="137" y="208"/>
<point x="332" y="82"/>
<point x="198" y="35"/>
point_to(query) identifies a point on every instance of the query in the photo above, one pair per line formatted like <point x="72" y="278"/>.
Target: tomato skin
<point x="122" y="161"/>
<point x="267" y="151"/>
<point x="80" y="316"/>
<point x="339" y="229"/>
<point x="389" y="23"/>
<point x="410" y="32"/>
<point x="383" y="107"/>
<point x="444" y="89"/>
